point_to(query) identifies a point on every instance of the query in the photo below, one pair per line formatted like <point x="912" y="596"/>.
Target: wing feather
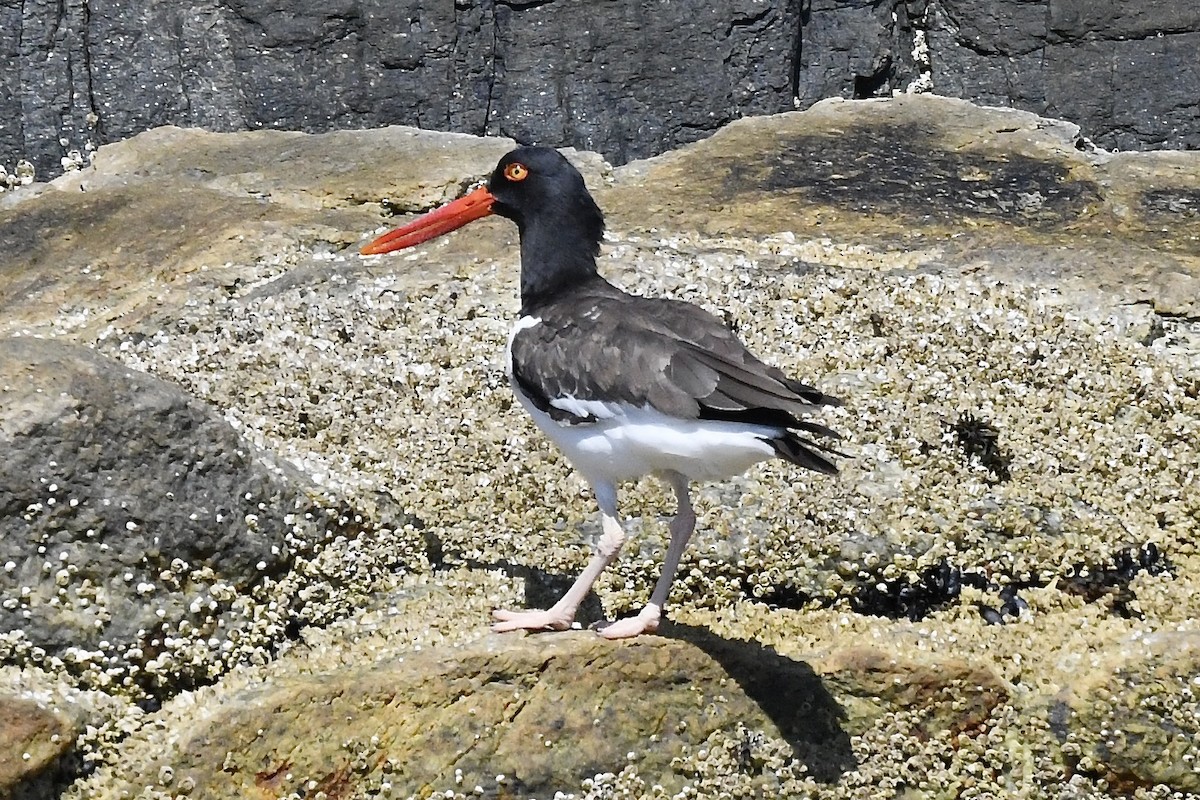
<point x="663" y="353"/>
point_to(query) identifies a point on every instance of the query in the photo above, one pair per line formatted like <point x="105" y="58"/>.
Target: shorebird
<point x="624" y="385"/>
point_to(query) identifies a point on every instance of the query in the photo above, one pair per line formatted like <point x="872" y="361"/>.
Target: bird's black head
<point x="560" y="224"/>
<point x="538" y="183"/>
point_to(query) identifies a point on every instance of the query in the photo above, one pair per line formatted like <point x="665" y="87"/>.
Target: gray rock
<point x="1127" y="73"/>
<point x="477" y="68"/>
<point x="132" y="515"/>
<point x="855" y="50"/>
<point x="240" y="284"/>
<point x="626" y="80"/>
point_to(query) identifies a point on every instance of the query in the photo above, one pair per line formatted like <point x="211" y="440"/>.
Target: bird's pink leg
<point x="560" y="616"/>
<point x="681" y="530"/>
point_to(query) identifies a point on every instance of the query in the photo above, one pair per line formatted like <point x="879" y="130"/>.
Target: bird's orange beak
<point x="453" y="215"/>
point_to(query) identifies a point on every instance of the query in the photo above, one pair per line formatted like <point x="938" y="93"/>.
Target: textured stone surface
<point x="918" y="174"/>
<point x="545" y="713"/>
<point x="103" y="75"/>
<point x="36" y="749"/>
<point x="627" y="80"/>
<point x="1133" y="716"/>
<point x="1127" y="73"/>
<point x="173" y="210"/>
<point x="919" y="296"/>
<point x="131" y="513"/>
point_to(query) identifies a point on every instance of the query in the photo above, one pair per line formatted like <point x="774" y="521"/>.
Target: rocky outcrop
<point x="1126" y="73"/>
<point x="1010" y="319"/>
<point x="628" y="82"/>
<point x="917" y="172"/>
<point x="206" y="204"/>
<point x="476" y="67"/>
<point x="132" y="519"/>
<point x="535" y="715"/>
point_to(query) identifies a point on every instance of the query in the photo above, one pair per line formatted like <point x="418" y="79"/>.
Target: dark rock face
<point x="626" y="79"/>
<point x="855" y="49"/>
<point x="129" y="510"/>
<point x="1127" y="73"/>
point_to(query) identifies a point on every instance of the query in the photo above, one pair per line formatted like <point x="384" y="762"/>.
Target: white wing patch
<point x="521" y="324"/>
<point x="596" y="409"/>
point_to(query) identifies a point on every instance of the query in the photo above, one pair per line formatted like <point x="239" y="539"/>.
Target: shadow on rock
<point x="790" y="693"/>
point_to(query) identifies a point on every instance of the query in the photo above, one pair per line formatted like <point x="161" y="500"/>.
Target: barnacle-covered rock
<point x="1010" y="320"/>
<point x="137" y="525"/>
<point x="1133" y="717"/>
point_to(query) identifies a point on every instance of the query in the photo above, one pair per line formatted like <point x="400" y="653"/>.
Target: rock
<point x="916" y="173"/>
<point x="133" y="517"/>
<point x="915" y="282"/>
<point x="627" y="82"/>
<point x="174" y="210"/>
<point x="543" y="712"/>
<point x="1097" y="64"/>
<point x="855" y="51"/>
<point x="479" y="68"/>
<point x="950" y="696"/>
<point x="1133" y="715"/>
<point x="546" y="712"/>
<point x="36" y="750"/>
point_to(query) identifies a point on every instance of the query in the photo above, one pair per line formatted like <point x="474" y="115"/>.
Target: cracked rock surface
<point x="624" y="81"/>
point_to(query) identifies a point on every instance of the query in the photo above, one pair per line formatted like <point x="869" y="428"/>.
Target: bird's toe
<point x="549" y="620"/>
<point x="629" y="627"/>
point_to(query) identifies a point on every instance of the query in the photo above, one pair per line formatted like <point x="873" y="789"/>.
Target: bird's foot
<point x="552" y="619"/>
<point x="644" y="622"/>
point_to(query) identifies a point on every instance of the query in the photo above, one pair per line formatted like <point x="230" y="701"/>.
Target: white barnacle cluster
<point x="390" y="391"/>
<point x="22" y="174"/>
<point x="395" y="385"/>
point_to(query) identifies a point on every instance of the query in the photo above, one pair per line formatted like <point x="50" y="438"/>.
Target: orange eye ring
<point x="516" y="171"/>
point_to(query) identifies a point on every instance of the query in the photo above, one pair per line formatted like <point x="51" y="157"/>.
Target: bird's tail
<point x="803" y="451"/>
<point x="811" y="394"/>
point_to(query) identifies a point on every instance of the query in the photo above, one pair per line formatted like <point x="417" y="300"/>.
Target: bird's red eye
<point x="516" y="171"/>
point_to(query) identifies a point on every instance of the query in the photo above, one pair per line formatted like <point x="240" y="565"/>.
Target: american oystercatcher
<point x="626" y="386"/>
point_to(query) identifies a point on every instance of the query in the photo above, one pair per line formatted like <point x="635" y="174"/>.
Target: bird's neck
<point x="555" y="258"/>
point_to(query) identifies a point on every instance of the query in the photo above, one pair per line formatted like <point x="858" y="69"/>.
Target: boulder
<point x="528" y="716"/>
<point x="171" y="213"/>
<point x="134" y="519"/>
<point x="916" y="173"/>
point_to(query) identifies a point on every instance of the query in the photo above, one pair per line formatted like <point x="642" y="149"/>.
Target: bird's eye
<point x="516" y="171"/>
